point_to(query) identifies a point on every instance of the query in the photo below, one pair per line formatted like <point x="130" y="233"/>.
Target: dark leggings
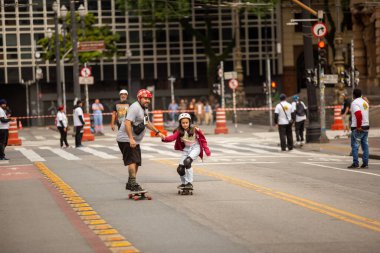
<point x="63" y="136"/>
<point x="300" y="127"/>
<point x="78" y="135"/>
<point x="286" y="137"/>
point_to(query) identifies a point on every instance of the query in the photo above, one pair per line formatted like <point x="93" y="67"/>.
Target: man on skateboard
<point x="131" y="133"/>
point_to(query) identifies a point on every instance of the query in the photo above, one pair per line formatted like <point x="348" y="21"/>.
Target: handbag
<point x="286" y="115"/>
<point x="137" y="129"/>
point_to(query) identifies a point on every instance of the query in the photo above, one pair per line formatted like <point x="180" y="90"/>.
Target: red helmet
<point x="144" y="93"/>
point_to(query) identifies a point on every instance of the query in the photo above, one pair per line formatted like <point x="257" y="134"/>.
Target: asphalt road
<point x="248" y="196"/>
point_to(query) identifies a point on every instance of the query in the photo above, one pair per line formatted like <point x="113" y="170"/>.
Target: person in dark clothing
<point x="78" y="124"/>
<point x="119" y="110"/>
<point x="346" y="115"/>
<point x="283" y="119"/>
<point x="4" y="127"/>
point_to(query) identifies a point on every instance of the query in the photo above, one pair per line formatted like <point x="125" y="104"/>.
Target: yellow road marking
<point x="309" y="204"/>
<point x="99" y="226"/>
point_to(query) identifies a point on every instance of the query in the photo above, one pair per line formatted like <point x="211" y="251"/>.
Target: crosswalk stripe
<point x="254" y="150"/>
<point x="40" y="137"/>
<point x="102" y="146"/>
<point x="158" y="150"/>
<point x="62" y="153"/>
<point x="31" y="155"/>
<point x="97" y="153"/>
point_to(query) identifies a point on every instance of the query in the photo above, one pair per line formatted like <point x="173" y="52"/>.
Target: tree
<point x="90" y="33"/>
<point x="160" y="11"/>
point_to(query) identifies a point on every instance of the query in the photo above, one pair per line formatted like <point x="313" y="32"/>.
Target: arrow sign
<point x="319" y="30"/>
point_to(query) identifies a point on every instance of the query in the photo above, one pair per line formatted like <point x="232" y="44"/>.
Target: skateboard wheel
<point x="136" y="198"/>
<point x="149" y="197"/>
<point x="129" y="196"/>
<point x="179" y="192"/>
<point x="191" y="193"/>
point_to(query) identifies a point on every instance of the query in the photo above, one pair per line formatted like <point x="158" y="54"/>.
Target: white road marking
<point x="40" y="137"/>
<point x="349" y="170"/>
<point x="97" y="153"/>
<point x="31" y="155"/>
<point x="114" y="148"/>
<point x="62" y="153"/>
<point x="157" y="150"/>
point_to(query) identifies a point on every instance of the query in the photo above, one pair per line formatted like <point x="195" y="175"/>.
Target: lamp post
<point x="27" y="83"/>
<point x="82" y="12"/>
<point x="57" y="54"/>
<point x="74" y="37"/>
<point x="63" y="16"/>
<point x="39" y="76"/>
<point x="129" y="55"/>
<point x="172" y="80"/>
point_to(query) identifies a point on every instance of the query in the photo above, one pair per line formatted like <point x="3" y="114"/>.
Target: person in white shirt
<point x="359" y="129"/>
<point x="78" y="124"/>
<point x="62" y="126"/>
<point x="299" y="113"/>
<point x="4" y="127"/>
<point x="283" y="120"/>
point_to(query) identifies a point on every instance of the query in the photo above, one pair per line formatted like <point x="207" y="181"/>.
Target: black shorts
<point x="130" y="155"/>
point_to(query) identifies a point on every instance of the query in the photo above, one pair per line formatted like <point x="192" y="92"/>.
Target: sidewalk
<point x="338" y="144"/>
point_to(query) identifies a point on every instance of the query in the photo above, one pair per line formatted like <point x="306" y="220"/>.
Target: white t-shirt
<point x="3" y="115"/>
<point x="283" y="119"/>
<point x="78" y="112"/>
<point x="294" y="108"/>
<point x="360" y="104"/>
<point x="61" y="116"/>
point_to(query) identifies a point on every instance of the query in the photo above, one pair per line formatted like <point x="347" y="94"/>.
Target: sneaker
<point x="364" y="166"/>
<point x="181" y="186"/>
<point x="137" y="188"/>
<point x="353" y="166"/>
<point x="128" y="186"/>
<point x="188" y="186"/>
<point x="4" y="159"/>
<point x="79" y="146"/>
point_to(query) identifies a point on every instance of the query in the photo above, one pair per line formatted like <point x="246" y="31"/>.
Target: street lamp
<point x="129" y="55"/>
<point x="74" y="37"/>
<point x="57" y="54"/>
<point x="39" y="76"/>
<point x="172" y="80"/>
<point x="82" y="12"/>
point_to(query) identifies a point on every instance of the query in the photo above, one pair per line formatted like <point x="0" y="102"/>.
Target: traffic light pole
<point x="222" y="85"/>
<point x="269" y="82"/>
<point x="323" y="138"/>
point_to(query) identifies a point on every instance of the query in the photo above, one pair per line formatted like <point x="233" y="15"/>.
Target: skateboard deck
<point x="184" y="191"/>
<point x="139" y="195"/>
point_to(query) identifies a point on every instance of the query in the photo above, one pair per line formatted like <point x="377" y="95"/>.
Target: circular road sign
<point x="233" y="83"/>
<point x="85" y="72"/>
<point x="319" y="30"/>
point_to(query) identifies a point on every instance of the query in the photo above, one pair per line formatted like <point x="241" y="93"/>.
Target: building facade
<point x="157" y="52"/>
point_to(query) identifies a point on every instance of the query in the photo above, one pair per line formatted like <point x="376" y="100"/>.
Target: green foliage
<point x="154" y="12"/>
<point x="90" y="33"/>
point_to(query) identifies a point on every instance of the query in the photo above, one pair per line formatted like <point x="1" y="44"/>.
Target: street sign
<point x="330" y="79"/>
<point x="230" y="75"/>
<point x="233" y="83"/>
<point x="88" y="46"/>
<point x="85" y="72"/>
<point x="89" y="80"/>
<point x="319" y="30"/>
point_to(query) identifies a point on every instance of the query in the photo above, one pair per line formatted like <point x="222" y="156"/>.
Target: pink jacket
<point x="180" y="145"/>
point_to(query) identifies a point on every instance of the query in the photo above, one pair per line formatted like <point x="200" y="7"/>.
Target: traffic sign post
<point x="233" y="83"/>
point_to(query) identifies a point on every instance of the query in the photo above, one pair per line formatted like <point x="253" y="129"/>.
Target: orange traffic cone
<point x="19" y="125"/>
<point x="158" y="122"/>
<point x="221" y="126"/>
<point x="13" y="139"/>
<point x="338" y="122"/>
<point x="87" y="135"/>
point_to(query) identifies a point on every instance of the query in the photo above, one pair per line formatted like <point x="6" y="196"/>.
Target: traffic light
<point x="347" y="78"/>
<point x="311" y="76"/>
<point x="273" y="87"/>
<point x="322" y="53"/>
<point x="216" y="88"/>
<point x="357" y="80"/>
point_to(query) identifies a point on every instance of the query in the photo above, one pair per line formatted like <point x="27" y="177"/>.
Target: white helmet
<point x="184" y="116"/>
<point x="123" y="91"/>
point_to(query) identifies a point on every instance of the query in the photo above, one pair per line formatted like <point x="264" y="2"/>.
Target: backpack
<point x="300" y="109"/>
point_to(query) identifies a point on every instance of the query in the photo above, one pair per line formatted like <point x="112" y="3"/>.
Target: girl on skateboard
<point x="192" y="142"/>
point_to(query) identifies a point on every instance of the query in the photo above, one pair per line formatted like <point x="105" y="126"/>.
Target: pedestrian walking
<point x="97" y="109"/>
<point x="78" y="123"/>
<point x="131" y="133"/>
<point x="62" y="125"/>
<point x="359" y="129"/>
<point x="283" y="120"/>
<point x="4" y="128"/>
<point x="191" y="109"/>
<point x="299" y="113"/>
<point x="192" y="142"/>
<point x="173" y="108"/>
<point x="208" y="114"/>
<point x="199" y="112"/>
<point x="119" y="110"/>
<point x="346" y="114"/>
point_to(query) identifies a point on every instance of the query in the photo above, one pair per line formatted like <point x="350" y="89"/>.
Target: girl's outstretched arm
<point x="171" y="138"/>
<point x="203" y="142"/>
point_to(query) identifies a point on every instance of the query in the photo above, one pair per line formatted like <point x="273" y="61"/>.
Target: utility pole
<point x="74" y="37"/>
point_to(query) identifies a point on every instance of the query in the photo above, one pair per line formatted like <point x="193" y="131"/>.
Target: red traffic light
<point x="321" y="44"/>
<point x="273" y="85"/>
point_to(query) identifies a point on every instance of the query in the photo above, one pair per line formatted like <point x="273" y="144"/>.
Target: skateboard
<point x="343" y="136"/>
<point x="184" y="191"/>
<point x="139" y="195"/>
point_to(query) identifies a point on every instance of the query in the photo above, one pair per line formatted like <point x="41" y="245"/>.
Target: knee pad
<point x="187" y="162"/>
<point x="181" y="170"/>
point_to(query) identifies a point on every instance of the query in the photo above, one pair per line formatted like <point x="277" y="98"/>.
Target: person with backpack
<point x="284" y="122"/>
<point x="299" y="114"/>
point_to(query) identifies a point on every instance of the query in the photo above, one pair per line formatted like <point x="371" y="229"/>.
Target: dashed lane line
<point x="309" y="204"/>
<point x="110" y="236"/>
